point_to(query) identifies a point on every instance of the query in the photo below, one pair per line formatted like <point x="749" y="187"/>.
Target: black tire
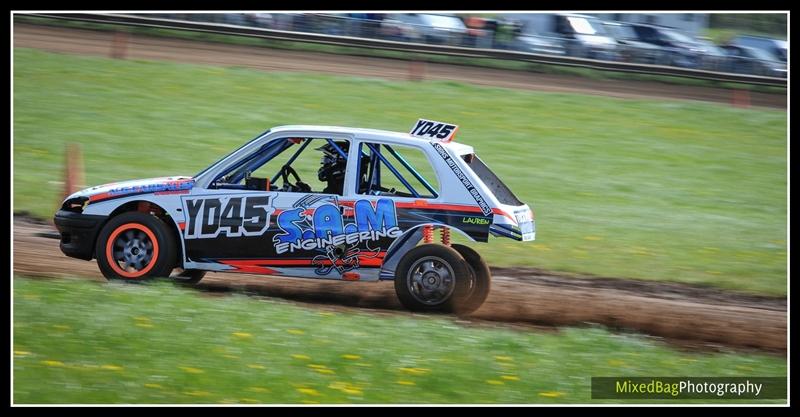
<point x="449" y="273"/>
<point x="482" y="283"/>
<point x="156" y="259"/>
<point x="187" y="276"/>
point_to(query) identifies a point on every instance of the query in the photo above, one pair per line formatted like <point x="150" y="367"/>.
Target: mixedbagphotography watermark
<point x="685" y="388"/>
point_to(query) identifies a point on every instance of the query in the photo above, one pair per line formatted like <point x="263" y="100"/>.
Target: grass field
<point x="661" y="190"/>
<point x="160" y="343"/>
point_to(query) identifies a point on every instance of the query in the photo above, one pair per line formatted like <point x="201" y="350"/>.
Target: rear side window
<point x="500" y="190"/>
<point x="395" y="170"/>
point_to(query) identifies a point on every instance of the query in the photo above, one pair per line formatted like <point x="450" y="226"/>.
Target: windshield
<point x="677" y="36"/>
<point x="621" y="31"/>
<point x="500" y="190"/>
<point x="759" y="54"/>
<point x="228" y="155"/>
<point x="585" y="26"/>
<point x="443" y="21"/>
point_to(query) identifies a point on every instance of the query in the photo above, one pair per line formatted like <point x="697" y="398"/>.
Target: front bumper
<point x="78" y="233"/>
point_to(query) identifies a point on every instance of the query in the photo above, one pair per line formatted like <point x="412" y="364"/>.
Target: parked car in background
<point x="677" y="49"/>
<point x="580" y="35"/>
<point x="444" y="29"/>
<point x="629" y="47"/>
<point x="531" y="40"/>
<point x="713" y="57"/>
<point x="747" y="60"/>
<point x="777" y="48"/>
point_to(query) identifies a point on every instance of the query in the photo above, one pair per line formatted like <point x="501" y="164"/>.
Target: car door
<point x="262" y="218"/>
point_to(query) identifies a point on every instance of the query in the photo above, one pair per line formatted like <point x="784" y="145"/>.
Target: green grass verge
<point x="162" y="344"/>
<point x="380" y="53"/>
<point x="662" y="190"/>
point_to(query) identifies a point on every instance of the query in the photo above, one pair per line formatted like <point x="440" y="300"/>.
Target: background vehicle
<point x="581" y="36"/>
<point x="631" y="49"/>
<point x="435" y="28"/>
<point x="748" y="60"/>
<point x="677" y="49"/>
<point x="530" y="39"/>
<point x="351" y="205"/>
<point x="778" y="49"/>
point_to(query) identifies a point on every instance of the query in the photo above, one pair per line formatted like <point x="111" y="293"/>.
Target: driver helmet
<point x="333" y="163"/>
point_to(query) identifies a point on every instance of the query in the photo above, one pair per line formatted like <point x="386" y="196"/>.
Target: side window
<point x="395" y="170"/>
<point x="301" y="165"/>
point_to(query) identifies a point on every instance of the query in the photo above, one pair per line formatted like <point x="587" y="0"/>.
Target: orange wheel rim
<point x="135" y="245"/>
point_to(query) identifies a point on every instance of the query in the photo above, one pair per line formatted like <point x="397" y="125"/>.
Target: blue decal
<point x="327" y="229"/>
<point x="177" y="185"/>
<point x="291" y="231"/>
<point x="382" y="216"/>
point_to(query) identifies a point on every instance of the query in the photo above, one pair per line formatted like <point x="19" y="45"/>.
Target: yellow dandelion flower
<point x="52" y="363"/>
<point x="21" y="353"/>
<point x="510" y="377"/>
<point x="157" y="386"/>
<point x="256" y="366"/>
<point x="258" y="389"/>
<point x="112" y="367"/>
<point x="351" y="357"/>
<point x="142" y="318"/>
<point x="315" y="366"/>
<point x="326" y="371"/>
<point x="308" y="391"/>
<point x="242" y="335"/>
<point x="415" y="371"/>
<point x="301" y="357"/>
<point x="494" y="382"/>
<point x="352" y="391"/>
<point x="504" y="358"/>
<point x="551" y="394"/>
<point x="295" y="331"/>
<point x="405" y="382"/>
<point x="191" y="370"/>
<point x="197" y="393"/>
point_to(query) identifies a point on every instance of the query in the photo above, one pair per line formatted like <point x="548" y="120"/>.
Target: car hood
<point x="143" y="186"/>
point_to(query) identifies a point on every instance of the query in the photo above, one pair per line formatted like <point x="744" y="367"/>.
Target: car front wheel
<point x="135" y="246"/>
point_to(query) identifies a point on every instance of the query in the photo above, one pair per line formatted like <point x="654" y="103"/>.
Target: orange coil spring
<point x="446" y="236"/>
<point x="427" y="234"/>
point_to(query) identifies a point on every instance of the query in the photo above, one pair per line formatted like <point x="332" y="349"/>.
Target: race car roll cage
<point x="267" y="152"/>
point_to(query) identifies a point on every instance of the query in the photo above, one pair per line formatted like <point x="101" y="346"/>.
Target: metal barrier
<point x="335" y="30"/>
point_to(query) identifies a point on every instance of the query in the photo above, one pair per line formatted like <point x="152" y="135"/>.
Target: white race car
<point x="376" y="205"/>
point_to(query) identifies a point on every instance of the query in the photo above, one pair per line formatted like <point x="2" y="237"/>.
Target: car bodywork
<point x="352" y="236"/>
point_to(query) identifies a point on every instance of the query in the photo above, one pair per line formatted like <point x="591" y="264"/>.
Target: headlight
<point x="76" y="204"/>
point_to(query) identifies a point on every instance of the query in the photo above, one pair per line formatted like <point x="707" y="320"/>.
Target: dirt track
<point x="691" y="315"/>
<point x="150" y="48"/>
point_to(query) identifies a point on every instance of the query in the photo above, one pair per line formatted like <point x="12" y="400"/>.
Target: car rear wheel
<point x="433" y="278"/>
<point x="135" y="246"/>
<point x="480" y="285"/>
